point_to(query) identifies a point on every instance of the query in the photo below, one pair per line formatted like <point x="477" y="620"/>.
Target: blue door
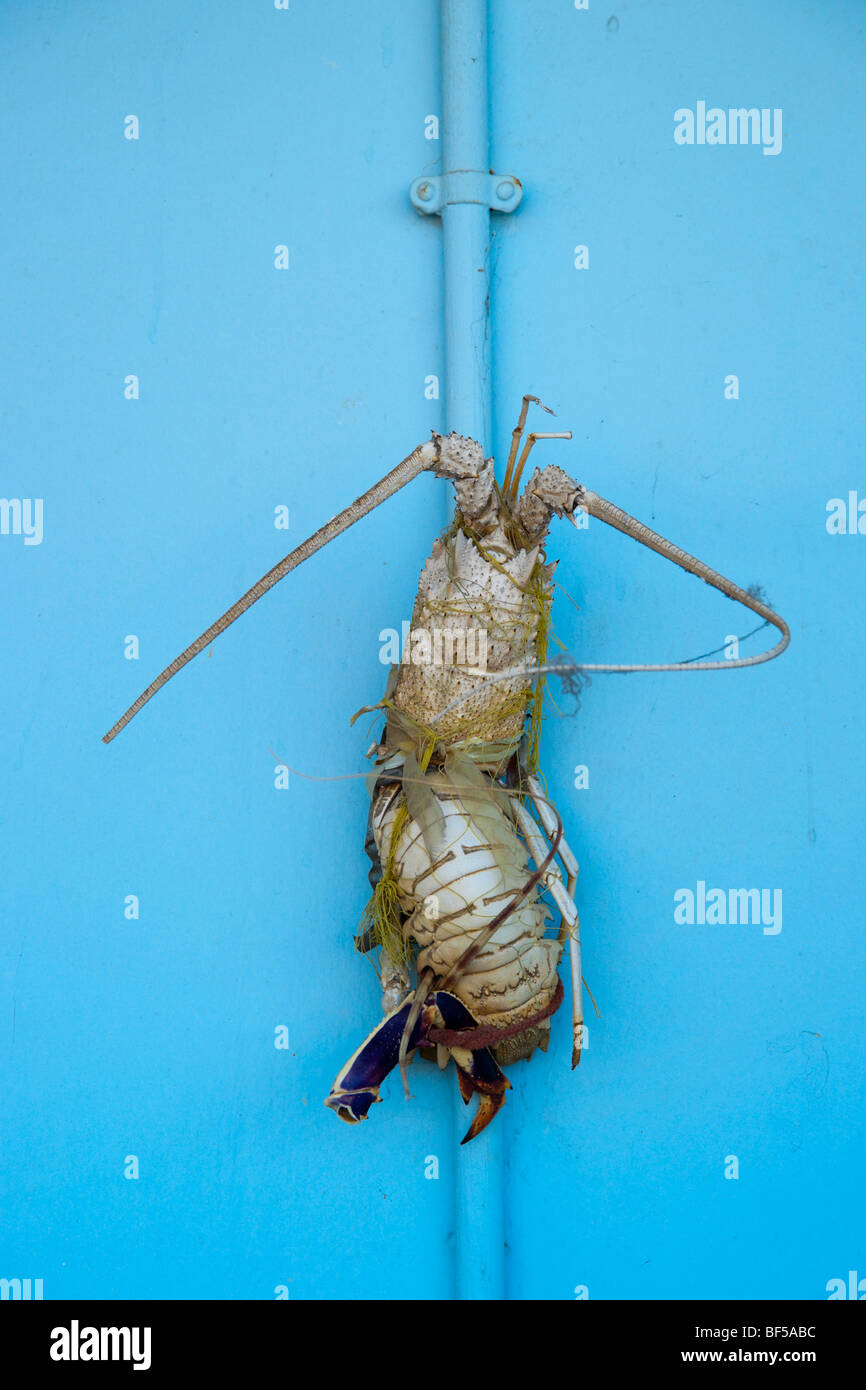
<point x="223" y="323"/>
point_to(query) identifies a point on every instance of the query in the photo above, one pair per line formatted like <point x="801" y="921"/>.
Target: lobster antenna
<point x="424" y="457"/>
<point x="517" y="435"/>
<point x="630" y="526"/>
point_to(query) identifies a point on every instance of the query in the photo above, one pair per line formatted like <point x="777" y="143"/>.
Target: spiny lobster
<point x="450" y="830"/>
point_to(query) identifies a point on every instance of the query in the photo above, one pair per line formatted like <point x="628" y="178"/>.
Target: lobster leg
<point x="563" y="896"/>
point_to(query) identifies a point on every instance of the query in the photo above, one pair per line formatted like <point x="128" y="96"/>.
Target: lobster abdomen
<point x="452" y="896"/>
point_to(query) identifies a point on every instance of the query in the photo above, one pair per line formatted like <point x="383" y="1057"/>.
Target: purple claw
<point x="357" y="1086"/>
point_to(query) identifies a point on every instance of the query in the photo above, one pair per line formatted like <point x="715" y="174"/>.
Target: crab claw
<point x="357" y="1086"/>
<point x="478" y="1072"/>
<point x="488" y="1106"/>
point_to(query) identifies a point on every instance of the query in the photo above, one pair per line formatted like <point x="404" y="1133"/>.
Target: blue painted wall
<point x="260" y="387"/>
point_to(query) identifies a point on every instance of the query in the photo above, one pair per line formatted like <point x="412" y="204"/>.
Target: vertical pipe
<point x="466" y="226"/>
<point x="479" y="1178"/>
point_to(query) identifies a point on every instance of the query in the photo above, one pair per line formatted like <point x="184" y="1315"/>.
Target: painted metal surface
<point x="154" y="1036"/>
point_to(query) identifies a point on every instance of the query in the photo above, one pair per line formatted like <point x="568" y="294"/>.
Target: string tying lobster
<point x="465" y="845"/>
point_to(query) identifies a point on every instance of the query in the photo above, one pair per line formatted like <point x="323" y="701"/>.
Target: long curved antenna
<point x="424" y="457"/>
<point x="630" y="526"/>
